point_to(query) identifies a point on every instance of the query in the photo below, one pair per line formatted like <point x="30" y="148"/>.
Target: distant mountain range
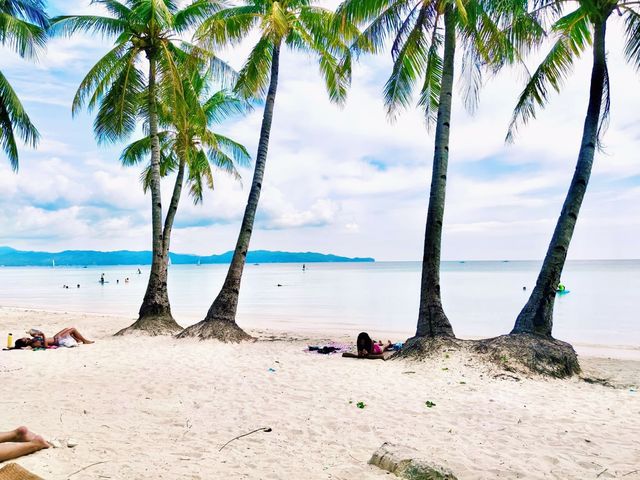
<point x="11" y="257"/>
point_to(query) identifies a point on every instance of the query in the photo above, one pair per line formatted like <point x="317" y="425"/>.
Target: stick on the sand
<point x="84" y="468"/>
<point x="263" y="429"/>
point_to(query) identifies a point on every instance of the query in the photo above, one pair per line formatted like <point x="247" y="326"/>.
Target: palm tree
<point x="117" y="86"/>
<point x="583" y="28"/>
<point x="301" y="26"/>
<point x="423" y="36"/>
<point x="188" y="144"/>
<point x="23" y="26"/>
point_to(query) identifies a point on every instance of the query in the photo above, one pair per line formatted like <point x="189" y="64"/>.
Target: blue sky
<point x="338" y="180"/>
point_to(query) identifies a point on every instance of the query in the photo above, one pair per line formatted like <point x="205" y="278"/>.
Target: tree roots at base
<point x="517" y="353"/>
<point x="152" y="326"/>
<point x="223" y="330"/>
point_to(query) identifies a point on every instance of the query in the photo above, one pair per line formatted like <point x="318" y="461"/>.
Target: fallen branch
<point x="84" y="468"/>
<point x="263" y="429"/>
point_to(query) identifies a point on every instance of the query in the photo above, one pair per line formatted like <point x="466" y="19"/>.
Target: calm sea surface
<point x="480" y="298"/>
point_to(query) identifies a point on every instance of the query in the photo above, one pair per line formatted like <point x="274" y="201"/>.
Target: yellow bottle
<point x="10" y="340"/>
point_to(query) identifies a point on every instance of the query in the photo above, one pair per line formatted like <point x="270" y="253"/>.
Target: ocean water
<point x="480" y="298"/>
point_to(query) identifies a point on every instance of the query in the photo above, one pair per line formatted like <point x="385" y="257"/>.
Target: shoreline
<point x="347" y="334"/>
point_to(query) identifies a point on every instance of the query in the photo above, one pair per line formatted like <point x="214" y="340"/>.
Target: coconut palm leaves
<point x="301" y="26"/>
<point x="298" y="24"/>
<point x="583" y="27"/>
<point x="573" y="34"/>
<point x="423" y="37"/>
<point x="189" y="142"/>
<point x="23" y="26"/>
<point x="145" y="34"/>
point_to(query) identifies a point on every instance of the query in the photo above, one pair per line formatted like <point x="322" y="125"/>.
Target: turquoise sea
<point x="481" y="298"/>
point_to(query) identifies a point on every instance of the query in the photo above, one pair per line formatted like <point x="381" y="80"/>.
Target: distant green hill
<point x="16" y="258"/>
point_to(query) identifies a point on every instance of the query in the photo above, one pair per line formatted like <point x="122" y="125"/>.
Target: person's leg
<point x="62" y="333"/>
<point x="9" y="451"/>
<point x="20" y="434"/>
<point x="77" y="336"/>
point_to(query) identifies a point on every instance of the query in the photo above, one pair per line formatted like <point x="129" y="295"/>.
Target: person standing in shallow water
<point x="304" y="267"/>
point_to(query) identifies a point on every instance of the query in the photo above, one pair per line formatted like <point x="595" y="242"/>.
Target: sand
<point x="160" y="408"/>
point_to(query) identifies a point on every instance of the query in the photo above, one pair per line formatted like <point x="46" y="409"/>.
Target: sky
<point x="343" y="180"/>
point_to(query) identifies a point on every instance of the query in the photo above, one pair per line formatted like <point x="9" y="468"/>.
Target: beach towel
<point x="380" y="356"/>
<point x="13" y="471"/>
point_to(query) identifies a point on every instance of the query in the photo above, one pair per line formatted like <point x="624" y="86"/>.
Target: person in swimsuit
<point x="366" y="346"/>
<point x="68" y="337"/>
<point x="19" y="442"/>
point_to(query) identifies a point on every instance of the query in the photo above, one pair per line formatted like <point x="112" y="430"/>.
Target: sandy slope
<point x="161" y="408"/>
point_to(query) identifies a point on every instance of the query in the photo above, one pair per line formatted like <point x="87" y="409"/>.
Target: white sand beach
<point x="160" y="408"/>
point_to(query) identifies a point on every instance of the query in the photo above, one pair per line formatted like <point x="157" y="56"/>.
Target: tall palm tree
<point x="582" y="28"/>
<point x="23" y="25"/>
<point x="145" y="33"/>
<point x="302" y="26"/>
<point x="189" y="146"/>
<point x="423" y="37"/>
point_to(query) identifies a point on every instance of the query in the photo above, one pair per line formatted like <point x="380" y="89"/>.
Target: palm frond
<point x="67" y="25"/>
<point x="632" y="34"/>
<point x="574" y="34"/>
<point x="195" y="13"/>
<point x="14" y="120"/>
<point x="120" y="105"/>
<point x="99" y="78"/>
<point x="431" y="87"/>
<point x="223" y="105"/>
<point x="409" y="62"/>
<point x="25" y="38"/>
<point x="254" y="76"/>
<point x="234" y="150"/>
<point x="471" y="78"/>
<point x="383" y="27"/>
<point x="228" y="26"/>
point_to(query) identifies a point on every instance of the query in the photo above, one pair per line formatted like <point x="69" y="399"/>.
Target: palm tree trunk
<point x="155" y="312"/>
<point x="220" y="321"/>
<point x="171" y="212"/>
<point x="432" y="321"/>
<point x="537" y="315"/>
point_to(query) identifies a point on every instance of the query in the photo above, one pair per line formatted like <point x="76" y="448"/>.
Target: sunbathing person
<point x="366" y="346"/>
<point x="19" y="442"/>
<point x="68" y="337"/>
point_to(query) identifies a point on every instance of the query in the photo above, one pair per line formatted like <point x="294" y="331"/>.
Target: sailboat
<point x="198" y="262"/>
<point x="53" y="263"/>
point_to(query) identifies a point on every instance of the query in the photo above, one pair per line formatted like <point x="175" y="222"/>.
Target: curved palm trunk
<point x="220" y="321"/>
<point x="432" y="321"/>
<point x="171" y="212"/>
<point x="155" y="312"/>
<point x="537" y="315"/>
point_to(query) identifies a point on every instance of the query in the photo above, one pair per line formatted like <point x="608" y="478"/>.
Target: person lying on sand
<point x="68" y="337"/>
<point x="19" y="442"/>
<point x="366" y="346"/>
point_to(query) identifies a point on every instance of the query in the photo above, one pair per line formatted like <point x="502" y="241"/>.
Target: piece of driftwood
<point x="261" y="429"/>
<point x="404" y="462"/>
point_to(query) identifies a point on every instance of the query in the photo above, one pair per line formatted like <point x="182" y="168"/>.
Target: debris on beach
<point x="404" y="462"/>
